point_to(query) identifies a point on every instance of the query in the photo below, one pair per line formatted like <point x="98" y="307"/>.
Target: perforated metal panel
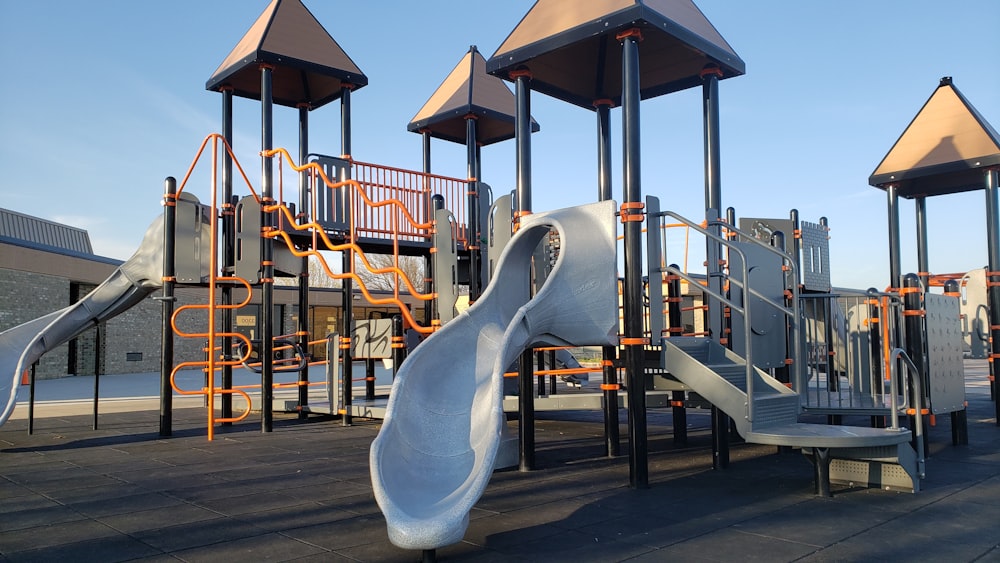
<point x="815" y="257"/>
<point x="944" y="353"/>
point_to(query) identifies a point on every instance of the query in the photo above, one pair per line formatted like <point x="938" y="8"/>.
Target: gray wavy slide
<point x="128" y="285"/>
<point x="444" y="423"/>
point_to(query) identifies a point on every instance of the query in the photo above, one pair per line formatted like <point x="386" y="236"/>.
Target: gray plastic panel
<point x="975" y="313"/>
<point x="944" y="353"/>
<point x="445" y="265"/>
<point x="499" y="224"/>
<point x="329" y="212"/>
<point x="193" y="241"/>
<point x="654" y="258"/>
<point x="767" y="324"/>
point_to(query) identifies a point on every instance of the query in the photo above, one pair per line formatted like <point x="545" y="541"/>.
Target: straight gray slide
<point x="128" y="285"/>
<point x="436" y="450"/>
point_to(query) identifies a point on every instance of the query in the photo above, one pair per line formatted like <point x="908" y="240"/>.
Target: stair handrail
<point x="914" y="377"/>
<point x="653" y="213"/>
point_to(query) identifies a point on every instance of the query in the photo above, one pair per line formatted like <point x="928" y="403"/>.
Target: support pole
<point x="398" y="343"/>
<point x="267" y="255"/>
<point x="993" y="277"/>
<point x="915" y="346"/>
<point x="304" y="214"/>
<point x="612" y="433"/>
<point x="473" y="207"/>
<point x="522" y="140"/>
<point x="31" y="399"/>
<point x="675" y="300"/>
<point x="347" y="264"/>
<point x="713" y="208"/>
<point x="923" y="260"/>
<point x="425" y="135"/>
<point x="167" y="307"/>
<point x="959" y="418"/>
<point x="895" y="269"/>
<point x="97" y="371"/>
<point x="228" y="252"/>
<point x="633" y="339"/>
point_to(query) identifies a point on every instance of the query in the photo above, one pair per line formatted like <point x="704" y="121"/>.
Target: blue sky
<point x="101" y="100"/>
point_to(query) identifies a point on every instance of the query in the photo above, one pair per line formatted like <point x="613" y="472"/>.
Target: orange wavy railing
<point x="214" y="361"/>
<point x="319" y="233"/>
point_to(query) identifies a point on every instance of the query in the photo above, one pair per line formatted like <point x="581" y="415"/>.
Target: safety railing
<point x="848" y="338"/>
<point x="395" y="221"/>
<point x="658" y="269"/>
<point x="382" y="223"/>
<point x="414" y="190"/>
<point x="213" y="362"/>
<point x="913" y="379"/>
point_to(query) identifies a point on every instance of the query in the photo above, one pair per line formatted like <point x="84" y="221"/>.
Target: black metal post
<point x="913" y="320"/>
<point x="430" y="203"/>
<point x="895" y="269"/>
<point x="347" y="264"/>
<point x="540" y="365"/>
<point x="633" y="339"/>
<point x="267" y="256"/>
<point x="610" y="386"/>
<point x="398" y="343"/>
<point x="97" y="371"/>
<point x="993" y="276"/>
<point x="713" y="210"/>
<point x="959" y="419"/>
<point x="304" y="213"/>
<point x="522" y="140"/>
<point x="228" y="253"/>
<point x="923" y="261"/>
<point x="31" y="399"/>
<point x="675" y="300"/>
<point x="437" y="203"/>
<point x="473" y="207"/>
<point x="167" y="306"/>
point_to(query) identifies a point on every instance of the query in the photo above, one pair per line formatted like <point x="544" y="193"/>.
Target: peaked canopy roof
<point x="309" y="66"/>
<point x="469" y="90"/>
<point x="943" y="150"/>
<point x="573" y="54"/>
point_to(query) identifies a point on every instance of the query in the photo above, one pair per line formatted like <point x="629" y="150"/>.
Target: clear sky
<point x="99" y="101"/>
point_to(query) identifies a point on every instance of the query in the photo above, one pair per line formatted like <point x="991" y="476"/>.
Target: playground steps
<point x="843" y="454"/>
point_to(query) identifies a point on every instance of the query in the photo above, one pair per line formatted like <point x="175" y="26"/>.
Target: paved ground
<point x="302" y="492"/>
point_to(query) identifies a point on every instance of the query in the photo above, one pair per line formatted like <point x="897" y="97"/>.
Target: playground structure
<point x="778" y="339"/>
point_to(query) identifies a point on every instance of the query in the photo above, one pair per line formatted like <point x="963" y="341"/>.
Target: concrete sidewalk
<point x="302" y="492"/>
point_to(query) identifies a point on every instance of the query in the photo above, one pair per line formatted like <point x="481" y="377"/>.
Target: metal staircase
<point x="764" y="410"/>
<point x="850" y="455"/>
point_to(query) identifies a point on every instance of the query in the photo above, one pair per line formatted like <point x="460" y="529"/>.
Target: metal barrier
<point x="414" y="191"/>
<point x="658" y="269"/>
<point x="849" y="338"/>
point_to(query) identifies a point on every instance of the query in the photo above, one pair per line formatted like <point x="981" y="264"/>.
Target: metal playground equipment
<point x="771" y="347"/>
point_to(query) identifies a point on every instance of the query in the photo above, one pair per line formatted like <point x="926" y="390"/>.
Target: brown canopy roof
<point x="943" y="150"/>
<point x="573" y="54"/>
<point x="309" y="66"/>
<point x="469" y="90"/>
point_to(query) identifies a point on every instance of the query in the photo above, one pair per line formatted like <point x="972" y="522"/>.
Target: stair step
<point x="697" y="348"/>
<point x="775" y="409"/>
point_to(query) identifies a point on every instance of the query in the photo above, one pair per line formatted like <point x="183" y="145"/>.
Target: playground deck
<point x="303" y="493"/>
